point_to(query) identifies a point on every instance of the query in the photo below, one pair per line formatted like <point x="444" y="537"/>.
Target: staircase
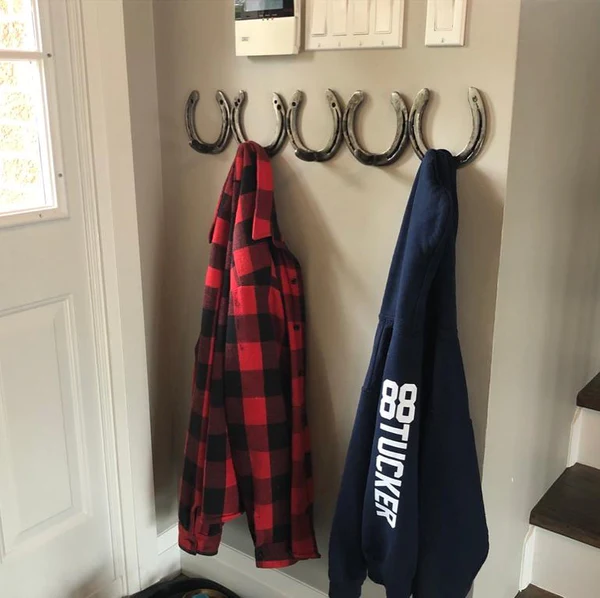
<point x="535" y="592"/>
<point x="565" y="545"/>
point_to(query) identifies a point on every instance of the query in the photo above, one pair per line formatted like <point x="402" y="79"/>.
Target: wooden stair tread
<point x="535" y="592"/>
<point x="570" y="507"/>
<point x="589" y="396"/>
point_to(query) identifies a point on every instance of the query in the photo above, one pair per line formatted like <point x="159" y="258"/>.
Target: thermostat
<point x="267" y="27"/>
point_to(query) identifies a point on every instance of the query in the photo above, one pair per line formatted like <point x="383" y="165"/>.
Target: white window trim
<point x="59" y="115"/>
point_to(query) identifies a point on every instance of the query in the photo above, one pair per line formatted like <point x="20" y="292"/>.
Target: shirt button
<point x="296" y="326"/>
<point x="300" y="372"/>
<point x="294" y="281"/>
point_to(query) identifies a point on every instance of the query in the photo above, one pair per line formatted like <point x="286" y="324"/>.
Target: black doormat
<point x="177" y="588"/>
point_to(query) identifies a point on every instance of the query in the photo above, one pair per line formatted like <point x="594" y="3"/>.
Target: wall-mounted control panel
<point x="344" y="24"/>
<point x="267" y="27"/>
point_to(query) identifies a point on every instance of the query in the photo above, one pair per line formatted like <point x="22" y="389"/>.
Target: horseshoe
<point x="238" y="129"/>
<point x="301" y="150"/>
<point x="478" y="133"/>
<point x="398" y="144"/>
<point x="196" y="143"/>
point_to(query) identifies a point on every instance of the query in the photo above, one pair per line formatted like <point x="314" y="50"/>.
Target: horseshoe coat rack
<point x="477" y="139"/>
<point x="238" y="128"/>
<point x="398" y="144"/>
<point x="303" y="152"/>
<point x="408" y="126"/>
<point x="195" y="141"/>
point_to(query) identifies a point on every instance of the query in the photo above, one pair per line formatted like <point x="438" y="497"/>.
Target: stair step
<point x="535" y="592"/>
<point x="589" y="396"/>
<point x="570" y="507"/>
<point x="588" y="444"/>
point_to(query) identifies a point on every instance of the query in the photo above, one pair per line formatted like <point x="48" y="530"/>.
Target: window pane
<point x="18" y="25"/>
<point x="24" y="154"/>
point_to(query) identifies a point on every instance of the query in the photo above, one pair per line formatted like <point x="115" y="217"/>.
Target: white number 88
<point x="399" y="405"/>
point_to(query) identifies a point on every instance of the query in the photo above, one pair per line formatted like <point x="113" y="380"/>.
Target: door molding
<point x="101" y="97"/>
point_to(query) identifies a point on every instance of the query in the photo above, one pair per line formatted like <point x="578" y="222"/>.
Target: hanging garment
<point x="247" y="447"/>
<point x="410" y="510"/>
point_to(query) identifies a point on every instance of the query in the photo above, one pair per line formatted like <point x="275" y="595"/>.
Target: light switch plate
<point x="354" y="24"/>
<point x="446" y="22"/>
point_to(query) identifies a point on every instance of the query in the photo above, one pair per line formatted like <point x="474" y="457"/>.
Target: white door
<point x="59" y="524"/>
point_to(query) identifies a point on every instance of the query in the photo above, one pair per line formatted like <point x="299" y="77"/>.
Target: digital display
<point x="263" y="9"/>
<point x="263" y="5"/>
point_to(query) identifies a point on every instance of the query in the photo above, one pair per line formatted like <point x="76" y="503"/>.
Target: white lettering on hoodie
<point x="398" y="407"/>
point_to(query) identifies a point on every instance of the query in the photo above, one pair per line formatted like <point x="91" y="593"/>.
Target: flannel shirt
<point x="247" y="447"/>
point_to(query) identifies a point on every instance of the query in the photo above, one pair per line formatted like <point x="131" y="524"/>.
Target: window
<point x="27" y="164"/>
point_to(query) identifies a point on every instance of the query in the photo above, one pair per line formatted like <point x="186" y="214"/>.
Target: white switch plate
<point x="446" y="22"/>
<point x="352" y="24"/>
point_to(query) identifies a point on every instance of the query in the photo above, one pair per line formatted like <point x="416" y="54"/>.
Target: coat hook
<point x="195" y="141"/>
<point x="478" y="134"/>
<point x="400" y="139"/>
<point x="280" y="132"/>
<point x="301" y="150"/>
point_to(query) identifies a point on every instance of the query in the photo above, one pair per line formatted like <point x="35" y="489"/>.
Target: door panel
<point x="40" y="430"/>
<point x="59" y="525"/>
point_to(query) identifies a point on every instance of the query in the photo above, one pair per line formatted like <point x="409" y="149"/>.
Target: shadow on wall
<point x="477" y="260"/>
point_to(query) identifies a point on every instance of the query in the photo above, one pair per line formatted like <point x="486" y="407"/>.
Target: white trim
<point x="528" y="558"/>
<point x="98" y="267"/>
<point x="26" y="55"/>
<point x="102" y="108"/>
<point x="575" y="438"/>
<point x="238" y="572"/>
<point x="167" y="540"/>
<point x="588" y="451"/>
<point x="169" y="555"/>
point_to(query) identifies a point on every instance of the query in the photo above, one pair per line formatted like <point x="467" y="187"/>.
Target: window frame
<point x="52" y="57"/>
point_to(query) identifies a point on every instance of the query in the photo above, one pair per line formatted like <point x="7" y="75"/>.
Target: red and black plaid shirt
<point x="247" y="447"/>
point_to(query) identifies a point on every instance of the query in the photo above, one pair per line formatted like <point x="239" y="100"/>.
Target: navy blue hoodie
<point x="410" y="510"/>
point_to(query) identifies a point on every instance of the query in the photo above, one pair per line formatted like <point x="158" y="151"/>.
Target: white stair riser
<point x="566" y="567"/>
<point x="589" y="442"/>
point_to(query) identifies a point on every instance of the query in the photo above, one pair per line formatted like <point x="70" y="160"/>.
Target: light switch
<point x="383" y="16"/>
<point x="360" y="17"/>
<point x="318" y="18"/>
<point x="446" y="21"/>
<point x="340" y="17"/>
<point x="353" y="24"/>
<point x="444" y="15"/>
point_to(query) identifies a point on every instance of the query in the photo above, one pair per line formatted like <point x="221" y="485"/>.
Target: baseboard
<point x="238" y="571"/>
<point x="528" y="558"/>
<point x="169" y="555"/>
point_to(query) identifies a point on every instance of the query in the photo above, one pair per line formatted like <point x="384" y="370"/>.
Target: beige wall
<point x="141" y="66"/>
<point x="340" y="218"/>
<point x="545" y="341"/>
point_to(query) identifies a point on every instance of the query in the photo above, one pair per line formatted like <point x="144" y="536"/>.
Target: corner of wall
<point x="544" y="345"/>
